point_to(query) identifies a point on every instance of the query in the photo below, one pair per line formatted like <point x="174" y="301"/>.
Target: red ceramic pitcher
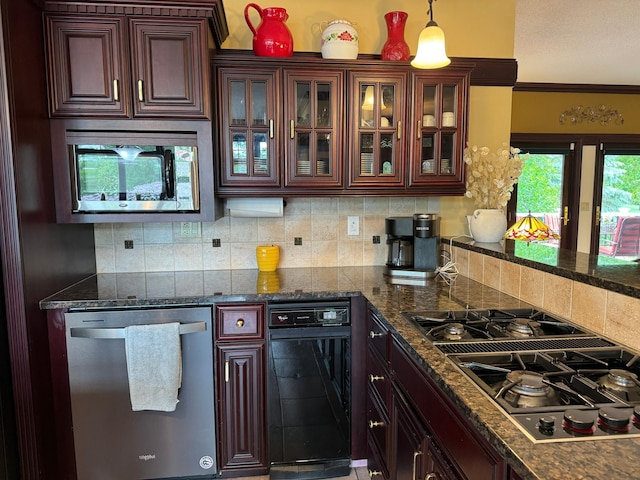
<point x="272" y="38"/>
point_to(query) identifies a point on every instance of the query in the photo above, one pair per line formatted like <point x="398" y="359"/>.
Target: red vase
<point x="395" y="48"/>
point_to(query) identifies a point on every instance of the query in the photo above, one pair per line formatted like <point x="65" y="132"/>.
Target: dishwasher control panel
<point x="309" y="314"/>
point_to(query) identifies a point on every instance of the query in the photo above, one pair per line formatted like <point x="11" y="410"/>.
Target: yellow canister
<point x="267" y="257"/>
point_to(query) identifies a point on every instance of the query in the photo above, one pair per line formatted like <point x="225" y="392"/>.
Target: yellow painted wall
<point x="472" y="28"/>
<point x="539" y="112"/>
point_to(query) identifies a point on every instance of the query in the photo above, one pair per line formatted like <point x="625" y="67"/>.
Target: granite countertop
<point x="621" y="276"/>
<point x="577" y="460"/>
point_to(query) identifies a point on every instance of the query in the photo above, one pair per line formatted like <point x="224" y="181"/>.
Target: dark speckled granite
<point x="605" y="272"/>
<point x="558" y="461"/>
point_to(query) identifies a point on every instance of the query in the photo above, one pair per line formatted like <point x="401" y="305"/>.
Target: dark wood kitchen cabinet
<point x="240" y="352"/>
<point x="307" y="126"/>
<point x="279" y="127"/>
<point x="437" y="134"/>
<point x="377" y="131"/>
<point x="121" y="67"/>
<point x="453" y="449"/>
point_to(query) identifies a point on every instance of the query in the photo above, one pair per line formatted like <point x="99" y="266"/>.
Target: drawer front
<point x="378" y="378"/>
<point x="240" y="322"/>
<point x="377" y="335"/>
<point x="378" y="425"/>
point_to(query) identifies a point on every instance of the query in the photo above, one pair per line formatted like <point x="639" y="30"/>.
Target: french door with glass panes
<point x="548" y="187"/>
<point x="314" y="128"/>
<point x="248" y="98"/>
<point x="615" y="230"/>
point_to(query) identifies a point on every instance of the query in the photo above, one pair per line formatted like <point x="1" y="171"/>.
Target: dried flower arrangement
<point x="491" y="176"/>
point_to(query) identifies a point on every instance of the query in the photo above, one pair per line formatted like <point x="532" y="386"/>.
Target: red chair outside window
<point x="626" y="239"/>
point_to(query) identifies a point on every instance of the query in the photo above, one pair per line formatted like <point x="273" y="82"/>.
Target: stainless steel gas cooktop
<point x="555" y="381"/>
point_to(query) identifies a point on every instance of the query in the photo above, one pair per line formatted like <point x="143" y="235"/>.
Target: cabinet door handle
<point x="566" y="215"/>
<point x="240" y="323"/>
<point x="116" y="94"/>
<point x="374" y="473"/>
<point x="373" y="334"/>
<point x="375" y="378"/>
<point x="140" y="91"/>
<point x="415" y="461"/>
<point x="373" y="424"/>
<point x="419" y="129"/>
<point x="271" y="128"/>
<point x="291" y="130"/>
<point x="399" y="129"/>
<point x="226" y="371"/>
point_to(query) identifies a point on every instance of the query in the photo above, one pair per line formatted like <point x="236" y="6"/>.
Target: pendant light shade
<point x="530" y="229"/>
<point x="431" y="51"/>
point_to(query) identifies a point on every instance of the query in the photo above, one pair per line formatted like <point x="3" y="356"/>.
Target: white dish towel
<point x="154" y="365"/>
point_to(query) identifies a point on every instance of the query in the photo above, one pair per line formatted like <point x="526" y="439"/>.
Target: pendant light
<point x="431" y="52"/>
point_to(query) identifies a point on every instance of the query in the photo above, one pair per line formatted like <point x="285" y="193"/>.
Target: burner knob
<point x="547" y="424"/>
<point x="579" y="421"/>
<point x="613" y="418"/>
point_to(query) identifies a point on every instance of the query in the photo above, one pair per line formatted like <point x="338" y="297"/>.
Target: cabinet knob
<point x="373" y="424"/>
<point x="240" y="323"/>
<point x="431" y="476"/>
<point x="374" y="378"/>
<point x="374" y="473"/>
<point x="373" y="334"/>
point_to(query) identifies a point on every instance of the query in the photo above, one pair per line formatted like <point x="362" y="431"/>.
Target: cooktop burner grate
<point x="493" y="346"/>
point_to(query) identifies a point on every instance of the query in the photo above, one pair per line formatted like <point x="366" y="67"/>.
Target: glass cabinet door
<point x="438" y="133"/>
<point x="314" y="120"/>
<point x="377" y="152"/>
<point x="249" y="133"/>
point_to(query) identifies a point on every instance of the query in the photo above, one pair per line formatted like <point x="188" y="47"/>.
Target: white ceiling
<point x="578" y="41"/>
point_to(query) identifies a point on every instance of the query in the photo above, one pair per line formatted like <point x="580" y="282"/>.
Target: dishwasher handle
<point x="116" y="333"/>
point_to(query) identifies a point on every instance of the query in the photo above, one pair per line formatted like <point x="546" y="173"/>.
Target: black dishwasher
<point x="309" y="389"/>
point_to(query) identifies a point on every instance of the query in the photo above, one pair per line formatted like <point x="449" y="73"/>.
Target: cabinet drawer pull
<point x="140" y="92"/>
<point x="240" y="323"/>
<point x="375" y="378"/>
<point x="373" y="334"/>
<point x="226" y="371"/>
<point x="291" y="130"/>
<point x="116" y="94"/>
<point x="271" y="128"/>
<point x="373" y="424"/>
<point x="374" y="473"/>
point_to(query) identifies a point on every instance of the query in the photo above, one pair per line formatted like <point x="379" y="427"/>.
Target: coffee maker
<point x="412" y="245"/>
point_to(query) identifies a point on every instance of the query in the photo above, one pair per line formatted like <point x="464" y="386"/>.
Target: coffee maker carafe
<point x="412" y="245"/>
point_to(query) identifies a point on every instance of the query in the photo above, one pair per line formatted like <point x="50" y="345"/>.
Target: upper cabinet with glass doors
<point x="377" y="152"/>
<point x="314" y="123"/>
<point x="250" y="126"/>
<point x="438" y="133"/>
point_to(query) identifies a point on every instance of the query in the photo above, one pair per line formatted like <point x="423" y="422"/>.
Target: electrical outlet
<point x="190" y="229"/>
<point x="353" y="225"/>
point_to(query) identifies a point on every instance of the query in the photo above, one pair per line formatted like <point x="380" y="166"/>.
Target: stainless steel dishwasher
<point x="113" y="441"/>
<point x="309" y="389"/>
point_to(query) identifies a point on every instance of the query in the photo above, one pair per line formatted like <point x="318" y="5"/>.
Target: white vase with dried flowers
<point x="490" y="180"/>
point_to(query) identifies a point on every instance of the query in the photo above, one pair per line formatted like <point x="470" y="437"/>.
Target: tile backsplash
<point x="320" y="224"/>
